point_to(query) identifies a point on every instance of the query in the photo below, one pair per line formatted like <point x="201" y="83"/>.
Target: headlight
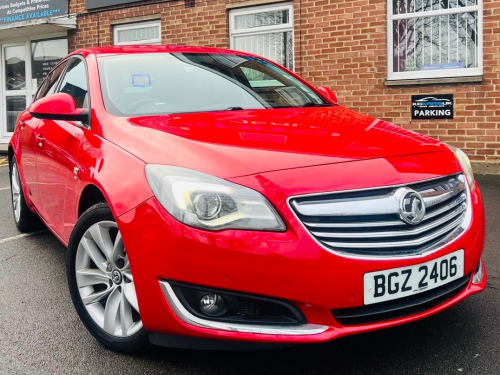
<point x="465" y="164"/>
<point x="204" y="201"/>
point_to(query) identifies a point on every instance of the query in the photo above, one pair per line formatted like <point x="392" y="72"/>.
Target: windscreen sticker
<point x="141" y="80"/>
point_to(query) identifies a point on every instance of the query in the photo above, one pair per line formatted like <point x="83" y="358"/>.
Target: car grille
<point x="369" y="223"/>
<point x="401" y="307"/>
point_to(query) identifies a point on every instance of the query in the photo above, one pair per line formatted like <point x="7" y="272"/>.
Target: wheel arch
<point x="10" y="154"/>
<point x="91" y="195"/>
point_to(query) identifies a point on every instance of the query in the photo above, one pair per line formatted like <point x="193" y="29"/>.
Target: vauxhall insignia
<point x="411" y="206"/>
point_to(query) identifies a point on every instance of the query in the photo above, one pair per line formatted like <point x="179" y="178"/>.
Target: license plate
<point x="401" y="282"/>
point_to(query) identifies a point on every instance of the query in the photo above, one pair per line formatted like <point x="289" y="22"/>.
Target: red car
<point x="210" y="198"/>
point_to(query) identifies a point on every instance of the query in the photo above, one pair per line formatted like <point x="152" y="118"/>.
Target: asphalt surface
<point x="40" y="332"/>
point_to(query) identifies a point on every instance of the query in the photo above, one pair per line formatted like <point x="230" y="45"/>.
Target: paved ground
<point x="41" y="334"/>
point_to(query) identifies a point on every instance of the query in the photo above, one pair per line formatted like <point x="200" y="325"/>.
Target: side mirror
<point x="328" y="94"/>
<point x="59" y="106"/>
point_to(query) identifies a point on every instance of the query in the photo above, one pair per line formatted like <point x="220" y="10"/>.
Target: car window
<point x="49" y="85"/>
<point x="257" y="78"/>
<point x="272" y="85"/>
<point x="74" y="82"/>
<point x="197" y="82"/>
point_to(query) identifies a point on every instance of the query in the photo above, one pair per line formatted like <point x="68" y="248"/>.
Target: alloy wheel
<point x="16" y="192"/>
<point x="105" y="282"/>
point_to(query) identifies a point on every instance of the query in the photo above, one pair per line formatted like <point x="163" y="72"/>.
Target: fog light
<point x="206" y="205"/>
<point x="213" y="305"/>
<point x="478" y="275"/>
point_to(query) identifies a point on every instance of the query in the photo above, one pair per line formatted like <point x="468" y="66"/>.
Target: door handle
<point x="40" y="140"/>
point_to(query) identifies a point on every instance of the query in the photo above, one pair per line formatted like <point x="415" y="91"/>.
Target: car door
<point x="56" y="160"/>
<point x="29" y="143"/>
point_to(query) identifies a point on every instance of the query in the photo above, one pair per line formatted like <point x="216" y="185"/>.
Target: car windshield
<point x="163" y="83"/>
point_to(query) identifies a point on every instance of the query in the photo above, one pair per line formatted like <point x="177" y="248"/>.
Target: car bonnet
<point x="245" y="142"/>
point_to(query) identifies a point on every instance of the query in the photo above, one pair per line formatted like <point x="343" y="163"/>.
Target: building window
<point x="45" y="54"/>
<point x="434" y="38"/>
<point x="265" y="30"/>
<point x="138" y="33"/>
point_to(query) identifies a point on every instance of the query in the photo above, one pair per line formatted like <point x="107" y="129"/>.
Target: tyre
<point x="101" y="283"/>
<point x="25" y="219"/>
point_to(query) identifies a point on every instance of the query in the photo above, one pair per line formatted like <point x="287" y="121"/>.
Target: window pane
<point x="44" y="56"/>
<point x="439" y="42"/>
<point x="15" y="68"/>
<point x="411" y="6"/>
<point x="50" y="84"/>
<point x="247" y="21"/>
<point x="74" y="82"/>
<point x="257" y="78"/>
<point x="277" y="47"/>
<point x="136" y="35"/>
<point x="15" y="105"/>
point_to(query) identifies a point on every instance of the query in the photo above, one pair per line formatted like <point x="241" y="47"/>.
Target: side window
<point x="50" y="83"/>
<point x="74" y="82"/>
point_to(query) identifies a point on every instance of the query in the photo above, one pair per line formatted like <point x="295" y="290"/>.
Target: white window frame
<point x="135" y="26"/>
<point x="438" y="73"/>
<point x="233" y="33"/>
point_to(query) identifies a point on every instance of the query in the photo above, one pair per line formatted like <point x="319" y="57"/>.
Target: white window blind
<point x="138" y="33"/>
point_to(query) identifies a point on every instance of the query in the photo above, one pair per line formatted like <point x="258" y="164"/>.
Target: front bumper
<point x="289" y="266"/>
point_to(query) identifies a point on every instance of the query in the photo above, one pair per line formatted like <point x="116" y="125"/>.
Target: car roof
<point x="131" y="49"/>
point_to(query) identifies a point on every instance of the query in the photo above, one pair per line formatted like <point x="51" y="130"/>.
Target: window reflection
<point x="15" y="68"/>
<point x="44" y="56"/>
<point x="15" y="105"/>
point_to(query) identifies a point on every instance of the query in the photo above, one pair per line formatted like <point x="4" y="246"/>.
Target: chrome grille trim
<point x="366" y="224"/>
<point x="462" y="198"/>
<point x="384" y="204"/>
<point x="360" y="224"/>
<point x="380" y="245"/>
<point x="395" y="233"/>
<point x="378" y="205"/>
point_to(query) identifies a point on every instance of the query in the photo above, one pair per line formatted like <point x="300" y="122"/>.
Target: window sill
<point x="433" y="81"/>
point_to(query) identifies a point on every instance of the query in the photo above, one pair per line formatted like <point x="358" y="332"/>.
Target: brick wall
<point x="342" y="44"/>
<point x="205" y="24"/>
